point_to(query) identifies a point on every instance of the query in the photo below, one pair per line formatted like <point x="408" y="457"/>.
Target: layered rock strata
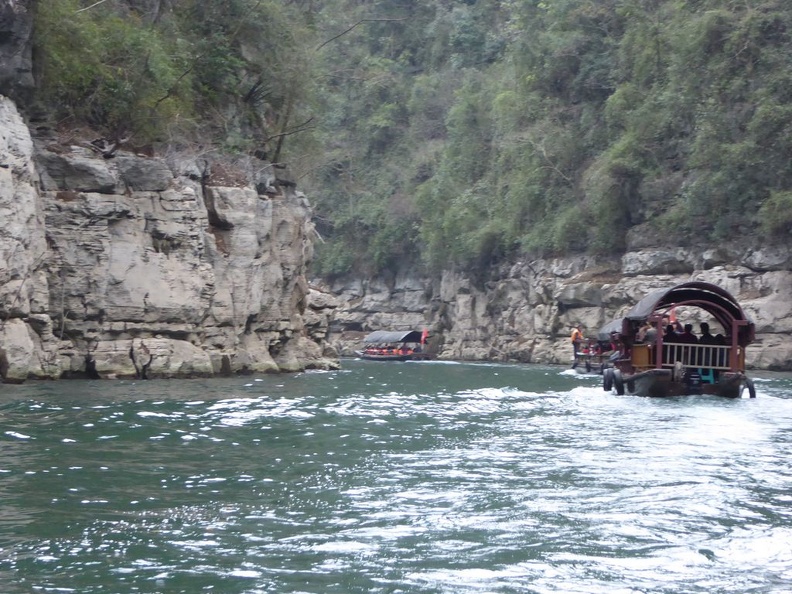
<point x="525" y="312"/>
<point x="114" y="264"/>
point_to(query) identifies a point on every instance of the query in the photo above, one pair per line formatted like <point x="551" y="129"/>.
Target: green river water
<point x="393" y="478"/>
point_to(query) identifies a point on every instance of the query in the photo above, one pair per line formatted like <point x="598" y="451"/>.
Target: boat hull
<point x="373" y="357"/>
<point x="664" y="382"/>
<point x="393" y="356"/>
<point x="590" y="364"/>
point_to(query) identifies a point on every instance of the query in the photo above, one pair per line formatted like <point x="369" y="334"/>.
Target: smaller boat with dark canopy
<point x="670" y="366"/>
<point x="393" y="346"/>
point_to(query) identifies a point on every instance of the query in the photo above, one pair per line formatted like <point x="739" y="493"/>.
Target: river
<point x="393" y="478"/>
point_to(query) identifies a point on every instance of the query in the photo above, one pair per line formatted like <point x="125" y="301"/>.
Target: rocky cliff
<point x="525" y="312"/>
<point x="116" y="264"/>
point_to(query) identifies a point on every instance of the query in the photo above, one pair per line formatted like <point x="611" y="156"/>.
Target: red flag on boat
<point x="424" y="335"/>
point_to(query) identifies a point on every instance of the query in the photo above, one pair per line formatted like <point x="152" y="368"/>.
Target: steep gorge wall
<point x="525" y="312"/>
<point x="170" y="267"/>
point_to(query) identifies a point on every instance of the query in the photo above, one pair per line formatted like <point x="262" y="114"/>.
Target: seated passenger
<point x="670" y="334"/>
<point x="706" y="338"/>
<point x="687" y="335"/>
<point x="723" y="358"/>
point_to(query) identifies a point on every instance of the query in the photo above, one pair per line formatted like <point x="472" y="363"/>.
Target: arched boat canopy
<point x="716" y="301"/>
<point x="383" y="336"/>
<point x="605" y="332"/>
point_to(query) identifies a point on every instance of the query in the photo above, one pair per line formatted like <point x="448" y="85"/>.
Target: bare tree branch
<point x="294" y="130"/>
<point x="90" y="7"/>
<point x="360" y="22"/>
<point x="173" y="87"/>
<point x="540" y="147"/>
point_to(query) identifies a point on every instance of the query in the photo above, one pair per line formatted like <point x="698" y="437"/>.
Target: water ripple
<point x="393" y="478"/>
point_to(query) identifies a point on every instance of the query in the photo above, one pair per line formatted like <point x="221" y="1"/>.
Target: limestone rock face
<point x="134" y="266"/>
<point x="527" y="313"/>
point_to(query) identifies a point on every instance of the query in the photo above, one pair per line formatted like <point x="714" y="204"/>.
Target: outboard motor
<point x="693" y="382"/>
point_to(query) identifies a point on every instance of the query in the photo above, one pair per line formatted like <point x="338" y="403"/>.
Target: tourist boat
<point x="394" y="346"/>
<point x="595" y="355"/>
<point x="671" y="368"/>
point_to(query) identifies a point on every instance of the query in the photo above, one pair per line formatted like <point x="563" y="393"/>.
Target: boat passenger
<point x="687" y="335"/>
<point x="617" y="348"/>
<point x="669" y="337"/>
<point x="720" y="340"/>
<point x="706" y="337"/>
<point x="576" y="339"/>
<point x="651" y="333"/>
<point x="670" y="334"/>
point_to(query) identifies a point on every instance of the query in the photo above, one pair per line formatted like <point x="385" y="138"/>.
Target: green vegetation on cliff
<point x="531" y="127"/>
<point x="231" y="73"/>
<point x="461" y="132"/>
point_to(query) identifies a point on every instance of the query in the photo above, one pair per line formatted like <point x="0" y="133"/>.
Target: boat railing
<point x="704" y="356"/>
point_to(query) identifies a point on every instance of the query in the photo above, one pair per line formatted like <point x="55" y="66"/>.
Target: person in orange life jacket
<point x="577" y="339"/>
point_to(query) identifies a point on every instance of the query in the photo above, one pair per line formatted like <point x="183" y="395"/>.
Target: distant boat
<point x="394" y="346"/>
<point x="594" y="356"/>
<point x="659" y="367"/>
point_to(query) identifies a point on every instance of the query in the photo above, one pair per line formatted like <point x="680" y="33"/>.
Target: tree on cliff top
<point x="221" y="72"/>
